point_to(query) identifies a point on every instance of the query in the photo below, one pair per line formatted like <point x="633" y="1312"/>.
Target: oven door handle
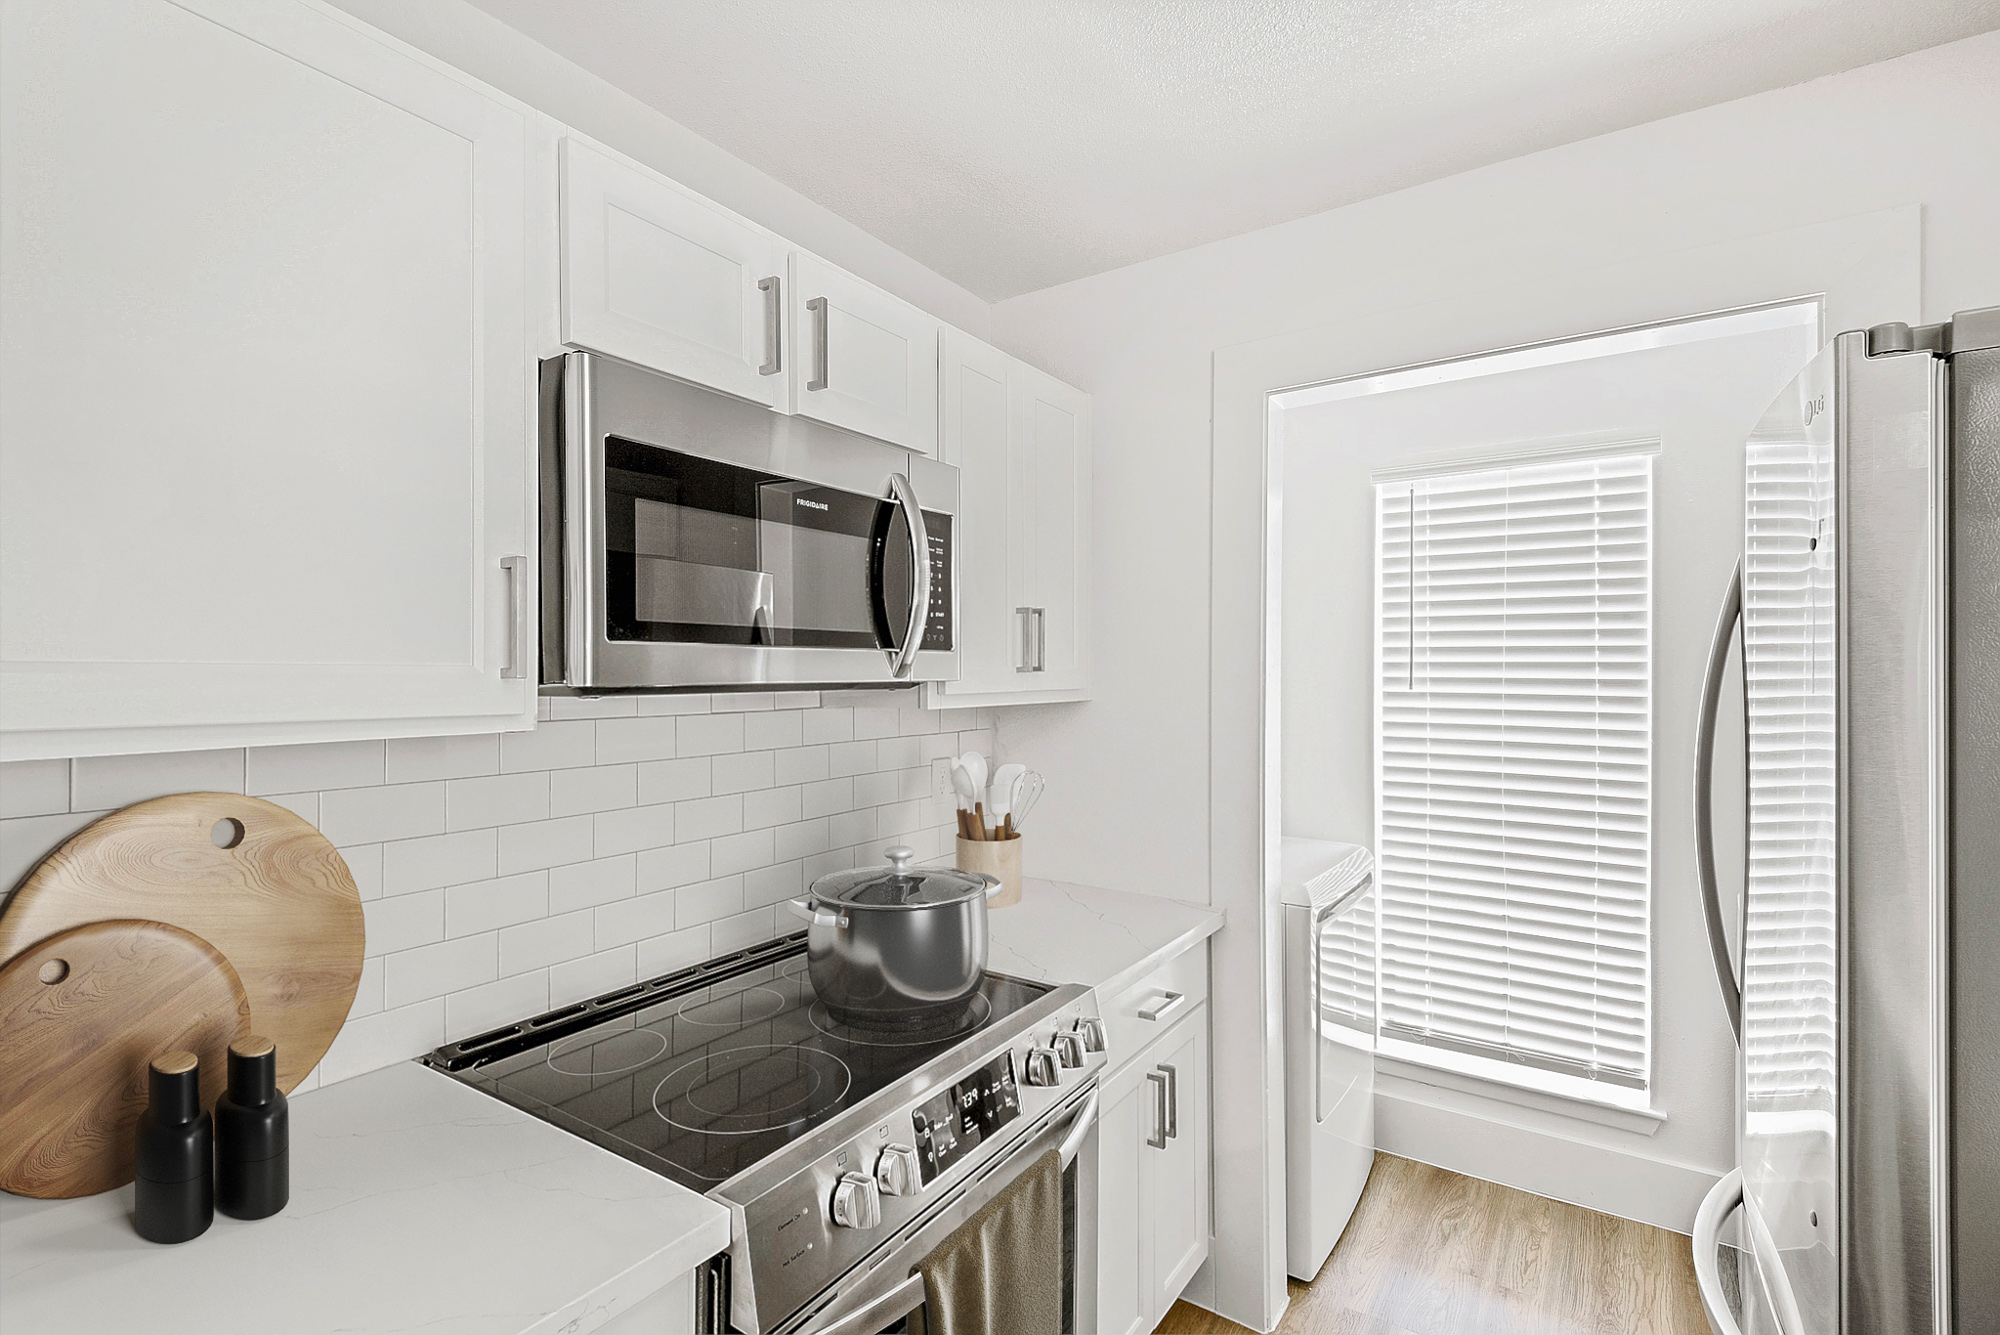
<point x="900" y="661"/>
<point x="887" y="1310"/>
<point x="1086" y="1118"/>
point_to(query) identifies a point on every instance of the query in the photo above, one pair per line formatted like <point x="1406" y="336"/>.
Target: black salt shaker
<point x="174" y="1196"/>
<point x="253" y="1152"/>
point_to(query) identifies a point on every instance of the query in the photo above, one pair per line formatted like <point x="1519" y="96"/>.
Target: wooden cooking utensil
<point x="80" y="1016"/>
<point x="278" y="902"/>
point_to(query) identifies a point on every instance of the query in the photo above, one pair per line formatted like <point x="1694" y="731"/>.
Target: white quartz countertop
<point x="1062" y="933"/>
<point x="418" y="1204"/>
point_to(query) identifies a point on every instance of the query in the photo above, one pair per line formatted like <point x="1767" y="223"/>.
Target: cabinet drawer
<point x="1128" y="1032"/>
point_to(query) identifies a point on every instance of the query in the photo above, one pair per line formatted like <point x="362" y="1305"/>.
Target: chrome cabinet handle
<point x="1038" y="659"/>
<point x="901" y="661"/>
<point x="1165" y="1005"/>
<point x="1173" y="1101"/>
<point x="1704" y="775"/>
<point x="818" y="308"/>
<point x="1158" y="1140"/>
<point x="774" y="342"/>
<point x="516" y="665"/>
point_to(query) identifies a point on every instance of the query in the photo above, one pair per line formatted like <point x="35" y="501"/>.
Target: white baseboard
<point x="1413" y="1121"/>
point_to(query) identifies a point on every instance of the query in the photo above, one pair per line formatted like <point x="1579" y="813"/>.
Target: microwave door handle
<point x="1704" y="822"/>
<point x="901" y="661"/>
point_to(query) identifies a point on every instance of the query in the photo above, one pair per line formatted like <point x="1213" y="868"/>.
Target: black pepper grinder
<point x="174" y="1197"/>
<point x="253" y="1152"/>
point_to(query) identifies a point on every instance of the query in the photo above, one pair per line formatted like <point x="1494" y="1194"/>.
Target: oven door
<point x="705" y="543"/>
<point x="887" y="1292"/>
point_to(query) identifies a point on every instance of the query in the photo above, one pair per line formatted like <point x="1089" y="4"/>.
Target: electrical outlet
<point x="941" y="780"/>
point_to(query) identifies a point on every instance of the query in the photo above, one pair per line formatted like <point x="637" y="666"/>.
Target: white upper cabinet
<point x="656" y="275"/>
<point x="265" y="382"/>
<point x="861" y="359"/>
<point x="1021" y="442"/>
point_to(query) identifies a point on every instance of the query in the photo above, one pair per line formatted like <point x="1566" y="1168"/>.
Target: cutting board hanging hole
<point x="227" y="832"/>
<point x="53" y="972"/>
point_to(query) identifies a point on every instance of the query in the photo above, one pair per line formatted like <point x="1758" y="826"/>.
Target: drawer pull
<point x="1163" y="1007"/>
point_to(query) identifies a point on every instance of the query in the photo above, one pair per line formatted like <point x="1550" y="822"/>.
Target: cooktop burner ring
<point x="591" y="1042"/>
<point x="821" y="1069"/>
<point x="974" y="1018"/>
<point x="770" y="1002"/>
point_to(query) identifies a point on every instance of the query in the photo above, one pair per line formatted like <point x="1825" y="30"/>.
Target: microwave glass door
<point x="703" y="552"/>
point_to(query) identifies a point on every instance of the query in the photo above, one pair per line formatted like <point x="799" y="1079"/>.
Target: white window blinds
<point x="1514" y="760"/>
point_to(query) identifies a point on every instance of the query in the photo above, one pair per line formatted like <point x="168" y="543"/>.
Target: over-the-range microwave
<point x="695" y="542"/>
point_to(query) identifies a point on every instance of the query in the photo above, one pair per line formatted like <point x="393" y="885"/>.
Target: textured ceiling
<point x="1015" y="144"/>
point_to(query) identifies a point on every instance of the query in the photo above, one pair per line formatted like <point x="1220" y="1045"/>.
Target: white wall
<point x="503" y="875"/>
<point x="484" y="47"/>
<point x="1131" y="767"/>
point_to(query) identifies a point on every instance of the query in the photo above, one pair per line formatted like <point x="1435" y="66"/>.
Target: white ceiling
<point x="1015" y="144"/>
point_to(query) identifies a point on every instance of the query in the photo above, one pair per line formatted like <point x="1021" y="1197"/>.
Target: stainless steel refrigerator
<point x="1865" y="988"/>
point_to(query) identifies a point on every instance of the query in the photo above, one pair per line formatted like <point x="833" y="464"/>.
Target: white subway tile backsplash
<point x="490" y="1005"/>
<point x="739" y="852"/>
<point x="800" y="840"/>
<point x="665" y="868"/>
<point x="937" y="746"/>
<point x="707" y="817"/>
<point x="439" y="859"/>
<point x="828" y="725"/>
<point x="675" y="780"/>
<point x="303" y="805"/>
<point x="877" y="721"/>
<point x="600" y="788"/>
<point x="583" y="885"/>
<point x="744" y="929"/>
<point x="768" y="732"/>
<point x="710" y="734"/>
<point x="613" y="706"/>
<point x="99" y="783"/>
<point x="576" y="979"/>
<point x="623" y="740"/>
<point x="368" y="992"/>
<point x="554" y="745"/>
<point x="742" y="772"/>
<point x="487" y="906"/>
<point x="802" y="764"/>
<point x="432" y="971"/>
<point x="834" y="859"/>
<point x="772" y="806"/>
<point x="851" y="827"/>
<point x="673" y="704"/>
<point x="364" y="863"/>
<point x="768" y="885"/>
<point x="707" y="901"/>
<point x="34" y="788"/>
<point x="537" y="945"/>
<point x="824" y="799"/>
<point x="897" y="753"/>
<point x="375" y="815"/>
<point x="403" y="922"/>
<point x="503" y="799"/>
<point x="675" y="950"/>
<point x="633" y="828"/>
<point x="414" y="759"/>
<point x="798" y="700"/>
<point x="628" y="920"/>
<point x="844" y="758"/>
<point x="316" y="765"/>
<point x="742" y="702"/>
<point x="383" y="1039"/>
<point x="872" y="790"/>
<point x="546" y="843"/>
<point x="919" y="722"/>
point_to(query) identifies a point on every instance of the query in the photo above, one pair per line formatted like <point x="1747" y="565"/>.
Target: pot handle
<point x="993" y="883"/>
<point x="810" y="911"/>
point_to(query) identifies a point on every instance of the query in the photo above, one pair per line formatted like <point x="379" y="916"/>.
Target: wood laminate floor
<point x="1430" y="1252"/>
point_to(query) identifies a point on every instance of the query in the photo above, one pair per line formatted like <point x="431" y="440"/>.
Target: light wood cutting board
<point x="81" y="1014"/>
<point x="278" y="903"/>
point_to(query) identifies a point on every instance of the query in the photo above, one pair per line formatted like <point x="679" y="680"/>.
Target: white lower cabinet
<point x="265" y="392"/>
<point x="1153" y="1191"/>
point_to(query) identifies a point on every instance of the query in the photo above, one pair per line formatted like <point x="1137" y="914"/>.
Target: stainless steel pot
<point x="896" y="946"/>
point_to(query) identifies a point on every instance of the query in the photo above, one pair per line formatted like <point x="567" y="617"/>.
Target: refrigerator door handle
<point x="1723" y="1197"/>
<point x="1704" y="774"/>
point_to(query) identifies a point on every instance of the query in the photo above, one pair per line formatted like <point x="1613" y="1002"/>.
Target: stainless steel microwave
<point x="695" y="542"/>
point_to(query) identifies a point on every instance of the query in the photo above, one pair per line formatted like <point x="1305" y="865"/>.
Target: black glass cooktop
<point x="700" y="1079"/>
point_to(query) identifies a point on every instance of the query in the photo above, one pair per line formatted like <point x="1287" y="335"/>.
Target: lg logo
<point x="1814" y="408"/>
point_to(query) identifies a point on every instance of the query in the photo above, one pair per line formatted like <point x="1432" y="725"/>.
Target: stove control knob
<point x="1043" y="1067"/>
<point x="897" y="1173"/>
<point x="1069" y="1047"/>
<point x="1092" y="1030"/>
<point x="856" y="1203"/>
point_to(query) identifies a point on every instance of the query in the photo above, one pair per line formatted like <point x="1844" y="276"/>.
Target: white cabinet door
<point x="1049" y="486"/>
<point x="1127" y="1119"/>
<point x="1178" y="1171"/>
<point x="265" y="391"/>
<point x="861" y="359"/>
<point x="657" y="275"/>
<point x="973" y="438"/>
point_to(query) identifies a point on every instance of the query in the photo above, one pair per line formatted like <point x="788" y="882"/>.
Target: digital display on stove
<point x="954" y="1120"/>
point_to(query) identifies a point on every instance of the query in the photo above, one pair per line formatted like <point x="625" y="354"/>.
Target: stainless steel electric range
<point x="844" y="1154"/>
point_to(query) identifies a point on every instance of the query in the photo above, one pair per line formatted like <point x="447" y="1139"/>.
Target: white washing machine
<point x="1329" y="912"/>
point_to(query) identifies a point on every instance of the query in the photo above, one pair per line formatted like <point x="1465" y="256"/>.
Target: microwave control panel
<point x="937" y="630"/>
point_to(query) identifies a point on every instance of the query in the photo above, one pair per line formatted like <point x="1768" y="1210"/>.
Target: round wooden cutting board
<point x="81" y="1014"/>
<point x="278" y="902"/>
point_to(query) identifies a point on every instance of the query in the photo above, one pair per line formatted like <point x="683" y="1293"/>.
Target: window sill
<point x="1643" y="1121"/>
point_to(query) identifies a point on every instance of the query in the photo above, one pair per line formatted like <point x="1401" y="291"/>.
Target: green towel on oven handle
<point x="1000" y="1272"/>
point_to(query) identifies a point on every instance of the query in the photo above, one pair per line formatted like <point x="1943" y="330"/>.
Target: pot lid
<point x="899" y="885"/>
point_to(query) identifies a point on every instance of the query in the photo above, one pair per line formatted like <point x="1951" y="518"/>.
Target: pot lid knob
<point x="899" y="858"/>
